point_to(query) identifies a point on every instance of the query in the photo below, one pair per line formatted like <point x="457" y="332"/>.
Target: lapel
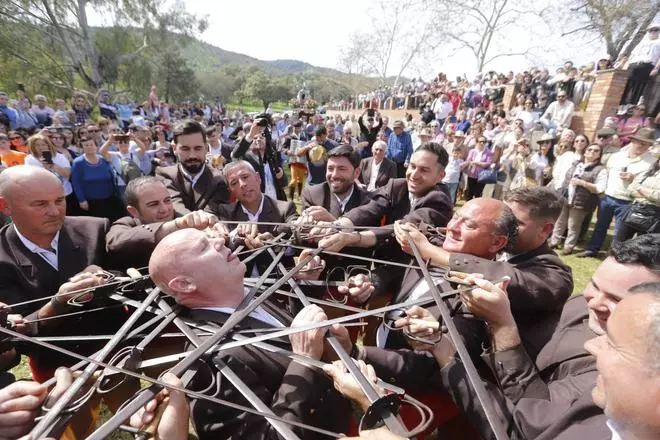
<point x="238" y="214"/>
<point x="366" y="172"/>
<point x="22" y="254"/>
<point x="203" y="188"/>
<point x="334" y="207"/>
<point x="355" y="199"/>
<point x="71" y="255"/>
<point x="188" y="191"/>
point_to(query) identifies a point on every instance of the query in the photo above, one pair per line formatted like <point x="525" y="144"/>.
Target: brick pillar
<point x="604" y="99"/>
<point x="510" y="91"/>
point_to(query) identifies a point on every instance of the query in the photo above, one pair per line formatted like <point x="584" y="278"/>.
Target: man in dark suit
<point x="131" y="240"/>
<point x="191" y="183"/>
<point x="544" y="397"/>
<point x="252" y="206"/>
<point x="340" y="193"/>
<point x="259" y="150"/>
<point x="376" y="171"/>
<point x="207" y="279"/>
<point x="540" y="281"/>
<point x="41" y="251"/>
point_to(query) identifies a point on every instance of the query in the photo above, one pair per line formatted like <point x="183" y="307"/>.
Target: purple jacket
<point x="474" y="155"/>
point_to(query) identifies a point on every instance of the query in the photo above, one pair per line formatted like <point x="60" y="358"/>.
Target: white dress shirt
<point x="48" y="255"/>
<point x="375" y="167"/>
<point x="259" y="314"/>
<point x="343" y="202"/>
<point x="195" y="178"/>
<point x="254" y="218"/>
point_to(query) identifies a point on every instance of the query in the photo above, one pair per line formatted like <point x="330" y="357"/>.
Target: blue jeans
<point x="609" y="207"/>
<point x="453" y="188"/>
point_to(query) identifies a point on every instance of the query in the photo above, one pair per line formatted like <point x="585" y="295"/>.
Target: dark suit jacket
<point x="386" y="172"/>
<point x="130" y="242"/>
<point x="276" y="211"/>
<point x="320" y="195"/>
<point x="272" y="161"/>
<point x="292" y="391"/>
<point x="210" y="187"/>
<point x="26" y="276"/>
<point x="540" y="284"/>
<point x="549" y="399"/>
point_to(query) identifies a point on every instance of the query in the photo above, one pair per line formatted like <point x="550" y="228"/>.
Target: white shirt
<point x="375" y="167"/>
<point x="254" y="218"/>
<point x="269" y="183"/>
<point x="560" y="114"/>
<point x="49" y="255"/>
<point x="59" y="160"/>
<point x="343" y="202"/>
<point x="647" y="51"/>
<point x="259" y="314"/>
<point x="195" y="178"/>
<point x="615" y="434"/>
<point x="616" y="187"/>
<point x="453" y="171"/>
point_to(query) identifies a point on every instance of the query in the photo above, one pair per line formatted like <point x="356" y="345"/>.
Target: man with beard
<point x="339" y="194"/>
<point x="132" y="239"/>
<point x="192" y="184"/>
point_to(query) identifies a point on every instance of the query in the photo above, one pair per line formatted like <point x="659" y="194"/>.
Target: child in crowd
<point x="453" y="173"/>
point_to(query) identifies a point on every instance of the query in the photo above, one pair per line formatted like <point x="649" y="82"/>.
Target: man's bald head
<point x="34" y="198"/>
<point x="196" y="270"/>
<point x="25" y="175"/>
<point x="482" y="227"/>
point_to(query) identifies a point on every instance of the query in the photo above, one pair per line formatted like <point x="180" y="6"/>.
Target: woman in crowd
<point x="631" y="124"/>
<point x="476" y="131"/>
<point x="43" y="154"/>
<point x="645" y="189"/>
<point x="160" y="140"/>
<point x="94" y="183"/>
<point x="584" y="183"/>
<point x="528" y="114"/>
<point x="519" y="165"/>
<point x="543" y="161"/>
<point x="478" y="159"/>
<point x="59" y="142"/>
<point x="568" y="157"/>
<point x="17" y="141"/>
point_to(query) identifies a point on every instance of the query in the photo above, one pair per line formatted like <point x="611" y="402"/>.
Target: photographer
<point x="44" y="155"/>
<point x="369" y="131"/>
<point x="258" y="149"/>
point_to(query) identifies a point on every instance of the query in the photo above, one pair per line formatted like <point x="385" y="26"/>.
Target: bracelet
<point x="58" y="306"/>
<point x="176" y="224"/>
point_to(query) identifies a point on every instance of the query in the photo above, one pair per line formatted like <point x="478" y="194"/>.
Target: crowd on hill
<point x="468" y="185"/>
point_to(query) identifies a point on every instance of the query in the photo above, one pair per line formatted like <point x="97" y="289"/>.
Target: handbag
<point x="643" y="217"/>
<point x="488" y="175"/>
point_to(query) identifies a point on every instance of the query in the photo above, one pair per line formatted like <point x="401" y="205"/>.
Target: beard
<point x="193" y="166"/>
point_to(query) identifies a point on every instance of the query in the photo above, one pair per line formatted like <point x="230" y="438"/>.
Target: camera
<point x="371" y="112"/>
<point x="48" y="157"/>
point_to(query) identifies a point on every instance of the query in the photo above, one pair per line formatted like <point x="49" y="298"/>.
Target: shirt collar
<point x="258" y="213"/>
<point x="345" y="200"/>
<point x="191" y="177"/>
<point x="35" y="248"/>
<point x="612" y="426"/>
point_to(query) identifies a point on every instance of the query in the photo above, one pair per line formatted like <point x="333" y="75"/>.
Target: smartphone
<point x="48" y="157"/>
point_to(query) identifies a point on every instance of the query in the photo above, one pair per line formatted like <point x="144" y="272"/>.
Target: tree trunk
<point x="91" y="53"/>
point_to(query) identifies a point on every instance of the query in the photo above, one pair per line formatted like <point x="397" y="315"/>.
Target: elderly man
<point x="340" y="193"/>
<point x="43" y="250"/>
<point x="540" y="281"/>
<point x="207" y="279"/>
<point x="546" y="396"/>
<point x="399" y="148"/>
<point x="131" y="239"/>
<point x="192" y="184"/>
<point x="376" y="171"/>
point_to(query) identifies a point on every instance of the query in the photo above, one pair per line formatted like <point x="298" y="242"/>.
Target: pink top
<point x="476" y="156"/>
<point x="629" y="126"/>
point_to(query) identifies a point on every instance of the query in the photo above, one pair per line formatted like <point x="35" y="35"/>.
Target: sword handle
<point x="149" y="431"/>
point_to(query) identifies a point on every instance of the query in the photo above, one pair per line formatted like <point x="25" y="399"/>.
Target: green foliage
<point x="265" y="88"/>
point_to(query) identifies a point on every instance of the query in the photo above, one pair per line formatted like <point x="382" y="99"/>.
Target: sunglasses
<point x="93" y="131"/>
<point x="55" y="138"/>
<point x="603" y="137"/>
<point x="13" y="138"/>
<point x="561" y="96"/>
<point x="593" y="150"/>
<point x="481" y="141"/>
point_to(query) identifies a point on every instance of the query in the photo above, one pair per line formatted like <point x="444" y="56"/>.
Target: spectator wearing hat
<point x="622" y="168"/>
<point x="631" y="124"/>
<point x="399" y="148"/>
<point x="644" y="62"/>
<point x="605" y="140"/>
<point x="458" y="141"/>
<point x="422" y="137"/>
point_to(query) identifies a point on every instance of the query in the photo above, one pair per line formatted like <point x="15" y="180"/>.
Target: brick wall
<point x="603" y="102"/>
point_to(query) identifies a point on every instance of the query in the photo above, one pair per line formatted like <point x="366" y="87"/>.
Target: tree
<point x="620" y="24"/>
<point x="485" y="27"/>
<point x="65" y="24"/>
<point x="392" y="41"/>
<point x="266" y="88"/>
<point x="175" y="79"/>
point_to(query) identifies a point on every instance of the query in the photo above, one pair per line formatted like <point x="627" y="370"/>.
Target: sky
<point x="282" y="29"/>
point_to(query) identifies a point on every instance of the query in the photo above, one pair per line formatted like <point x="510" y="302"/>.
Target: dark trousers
<point x="609" y="208"/>
<point x="400" y="170"/>
<point x="638" y="77"/>
<point x="474" y="188"/>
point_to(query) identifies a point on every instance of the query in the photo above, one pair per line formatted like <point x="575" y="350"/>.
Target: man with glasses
<point x="644" y="62"/>
<point x="604" y="138"/>
<point x="559" y="114"/>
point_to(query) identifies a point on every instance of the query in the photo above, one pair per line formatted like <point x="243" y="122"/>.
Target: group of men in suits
<point x="533" y="338"/>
